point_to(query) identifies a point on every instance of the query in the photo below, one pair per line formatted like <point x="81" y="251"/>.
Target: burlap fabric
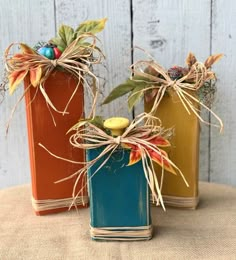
<point x="207" y="233"/>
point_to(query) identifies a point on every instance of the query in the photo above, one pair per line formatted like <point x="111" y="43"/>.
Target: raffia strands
<point x="122" y="233"/>
<point x="49" y="204"/>
<point x="186" y="91"/>
<point x="182" y="202"/>
<point x="77" y="59"/>
<point x="88" y="136"/>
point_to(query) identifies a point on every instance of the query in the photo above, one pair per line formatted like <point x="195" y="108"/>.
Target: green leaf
<point x="119" y="91"/>
<point x="134" y="83"/>
<point x="58" y="42"/>
<point x="135" y="96"/>
<point x="91" y="26"/>
<point x="88" y="44"/>
<point x="97" y="121"/>
<point x="67" y="34"/>
<point x="141" y="80"/>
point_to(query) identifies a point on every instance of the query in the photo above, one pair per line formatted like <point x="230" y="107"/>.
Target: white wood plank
<point x="168" y="30"/>
<point x="116" y="39"/>
<point x="223" y="159"/>
<point x="20" y="21"/>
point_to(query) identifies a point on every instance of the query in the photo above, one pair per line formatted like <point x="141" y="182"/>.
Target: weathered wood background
<point x="168" y="29"/>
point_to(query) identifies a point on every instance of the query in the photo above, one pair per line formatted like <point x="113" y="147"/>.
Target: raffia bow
<point x="185" y="87"/>
<point x="77" y="59"/>
<point x="136" y="137"/>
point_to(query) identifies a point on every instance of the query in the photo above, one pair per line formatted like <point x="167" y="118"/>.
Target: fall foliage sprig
<point x="80" y="51"/>
<point x="147" y="78"/>
<point x="151" y="81"/>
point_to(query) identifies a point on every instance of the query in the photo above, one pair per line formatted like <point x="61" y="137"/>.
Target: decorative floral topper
<point x="152" y="81"/>
<point x="150" y="139"/>
<point x="76" y="59"/>
<point x="146" y="143"/>
<point x="73" y="51"/>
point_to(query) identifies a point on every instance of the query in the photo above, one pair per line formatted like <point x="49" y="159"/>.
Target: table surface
<point x="206" y="233"/>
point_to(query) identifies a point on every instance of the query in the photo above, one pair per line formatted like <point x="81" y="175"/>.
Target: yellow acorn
<point x="117" y="125"/>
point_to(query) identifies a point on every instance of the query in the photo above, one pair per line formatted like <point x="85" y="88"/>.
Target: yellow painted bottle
<point x="184" y="151"/>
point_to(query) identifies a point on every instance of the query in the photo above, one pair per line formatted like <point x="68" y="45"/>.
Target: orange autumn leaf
<point x="160" y="158"/>
<point x="15" y="79"/>
<point x="156" y="140"/>
<point x="135" y="153"/>
<point x="191" y="59"/>
<point x="17" y="59"/>
<point x="26" y="49"/>
<point x="212" y="59"/>
<point x="159" y="141"/>
<point x="19" y="56"/>
<point x="35" y="76"/>
<point x="135" y="156"/>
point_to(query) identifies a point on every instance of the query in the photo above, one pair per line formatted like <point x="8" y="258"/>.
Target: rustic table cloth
<point x="206" y="233"/>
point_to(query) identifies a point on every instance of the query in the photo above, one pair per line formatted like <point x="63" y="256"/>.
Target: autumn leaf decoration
<point x="153" y="149"/>
<point x="191" y="84"/>
<point x="21" y="61"/>
<point x="72" y="51"/>
<point x="148" y="77"/>
<point x="66" y="34"/>
<point x="78" y="47"/>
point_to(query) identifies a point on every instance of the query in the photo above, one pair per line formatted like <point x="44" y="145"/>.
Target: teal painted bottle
<point x="119" y="198"/>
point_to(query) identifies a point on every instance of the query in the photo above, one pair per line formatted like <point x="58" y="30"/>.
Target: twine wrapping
<point x="77" y="59"/>
<point x="182" y="202"/>
<point x="89" y="136"/>
<point x="49" y="204"/>
<point x="185" y="87"/>
<point x="122" y="233"/>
